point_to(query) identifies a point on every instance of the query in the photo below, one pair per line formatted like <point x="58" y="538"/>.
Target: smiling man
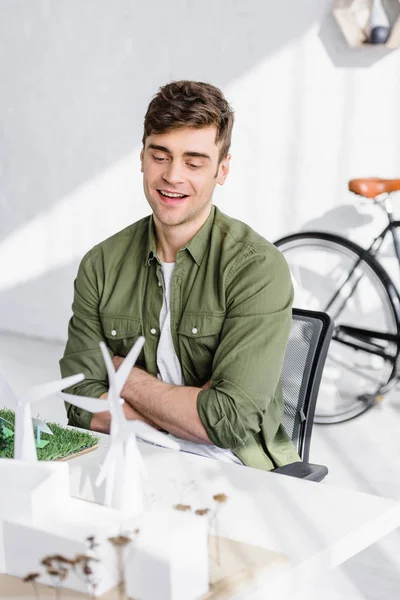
<point x="212" y="298"/>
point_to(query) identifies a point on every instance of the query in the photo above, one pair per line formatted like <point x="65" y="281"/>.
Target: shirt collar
<point x="151" y="242"/>
<point x="196" y="246"/>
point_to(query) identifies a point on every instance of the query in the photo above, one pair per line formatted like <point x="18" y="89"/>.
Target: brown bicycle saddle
<point x="370" y="187"/>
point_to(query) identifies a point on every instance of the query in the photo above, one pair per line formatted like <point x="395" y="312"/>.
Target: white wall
<point x="76" y="78"/>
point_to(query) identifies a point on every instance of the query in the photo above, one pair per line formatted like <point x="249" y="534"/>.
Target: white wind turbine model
<point x="123" y="466"/>
<point x="24" y="439"/>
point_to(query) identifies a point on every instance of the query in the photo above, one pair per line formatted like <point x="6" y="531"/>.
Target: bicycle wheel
<point x="320" y="264"/>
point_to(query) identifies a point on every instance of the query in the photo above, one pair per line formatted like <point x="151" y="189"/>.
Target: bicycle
<point x="335" y="275"/>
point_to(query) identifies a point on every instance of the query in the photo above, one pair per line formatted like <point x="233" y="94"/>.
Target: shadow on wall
<point x="341" y="220"/>
<point x="76" y="81"/>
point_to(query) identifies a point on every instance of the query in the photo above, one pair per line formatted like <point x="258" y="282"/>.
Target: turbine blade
<point x="113" y="396"/>
<point x="93" y="405"/>
<point x="109" y="364"/>
<point x="6" y="390"/>
<point x="41" y="391"/>
<point x="149" y="434"/>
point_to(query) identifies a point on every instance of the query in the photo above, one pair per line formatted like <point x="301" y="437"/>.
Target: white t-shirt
<point x="170" y="370"/>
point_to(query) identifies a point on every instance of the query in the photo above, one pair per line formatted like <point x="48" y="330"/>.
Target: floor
<point x="362" y="454"/>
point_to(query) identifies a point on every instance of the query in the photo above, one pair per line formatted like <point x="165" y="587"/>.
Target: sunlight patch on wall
<point x="92" y="212"/>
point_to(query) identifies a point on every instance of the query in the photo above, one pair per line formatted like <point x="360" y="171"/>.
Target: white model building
<point x="38" y="517"/>
<point x="169" y="558"/>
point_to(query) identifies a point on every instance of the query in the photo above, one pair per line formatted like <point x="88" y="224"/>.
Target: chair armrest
<point x="303" y="470"/>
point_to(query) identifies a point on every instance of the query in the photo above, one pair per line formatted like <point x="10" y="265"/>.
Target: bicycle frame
<point x="365" y="339"/>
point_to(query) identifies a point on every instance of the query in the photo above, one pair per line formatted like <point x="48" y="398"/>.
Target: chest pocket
<point x="199" y="336"/>
<point x="121" y="333"/>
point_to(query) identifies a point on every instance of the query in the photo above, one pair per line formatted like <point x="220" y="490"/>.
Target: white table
<point x="316" y="525"/>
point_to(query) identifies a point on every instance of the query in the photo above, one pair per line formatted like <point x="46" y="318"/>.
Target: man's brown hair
<point x="190" y="104"/>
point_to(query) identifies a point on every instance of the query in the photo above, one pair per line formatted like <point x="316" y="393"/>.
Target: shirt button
<point x="194" y="330"/>
<point x="153" y="331"/>
<point x="113" y="332"/>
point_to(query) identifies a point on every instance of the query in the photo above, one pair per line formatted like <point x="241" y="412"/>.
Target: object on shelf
<point x="379" y="25"/>
<point x="369" y="22"/>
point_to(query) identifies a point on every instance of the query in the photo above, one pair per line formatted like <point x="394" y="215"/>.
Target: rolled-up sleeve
<point x="248" y="362"/>
<point x="82" y="353"/>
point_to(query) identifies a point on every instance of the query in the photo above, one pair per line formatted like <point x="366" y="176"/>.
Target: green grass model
<point x="64" y="442"/>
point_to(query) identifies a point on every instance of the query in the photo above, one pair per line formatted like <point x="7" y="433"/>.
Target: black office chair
<point x="304" y="361"/>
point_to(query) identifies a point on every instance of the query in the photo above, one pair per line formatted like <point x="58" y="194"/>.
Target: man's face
<point x="180" y="171"/>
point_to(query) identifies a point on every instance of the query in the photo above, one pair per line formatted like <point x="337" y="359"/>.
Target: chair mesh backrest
<point x="297" y="367"/>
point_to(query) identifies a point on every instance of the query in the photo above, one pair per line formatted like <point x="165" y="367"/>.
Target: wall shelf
<point x="352" y="16"/>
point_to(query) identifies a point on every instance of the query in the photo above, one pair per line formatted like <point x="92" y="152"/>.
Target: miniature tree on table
<point x="24" y="443"/>
<point x="40" y="427"/>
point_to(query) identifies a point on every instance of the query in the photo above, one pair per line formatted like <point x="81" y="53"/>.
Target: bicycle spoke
<point x="335" y="275"/>
<point x="352" y="368"/>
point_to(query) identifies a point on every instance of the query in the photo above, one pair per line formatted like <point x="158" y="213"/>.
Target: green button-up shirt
<point x="231" y="297"/>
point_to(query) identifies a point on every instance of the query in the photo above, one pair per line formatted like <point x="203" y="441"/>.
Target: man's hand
<point x="101" y="422"/>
